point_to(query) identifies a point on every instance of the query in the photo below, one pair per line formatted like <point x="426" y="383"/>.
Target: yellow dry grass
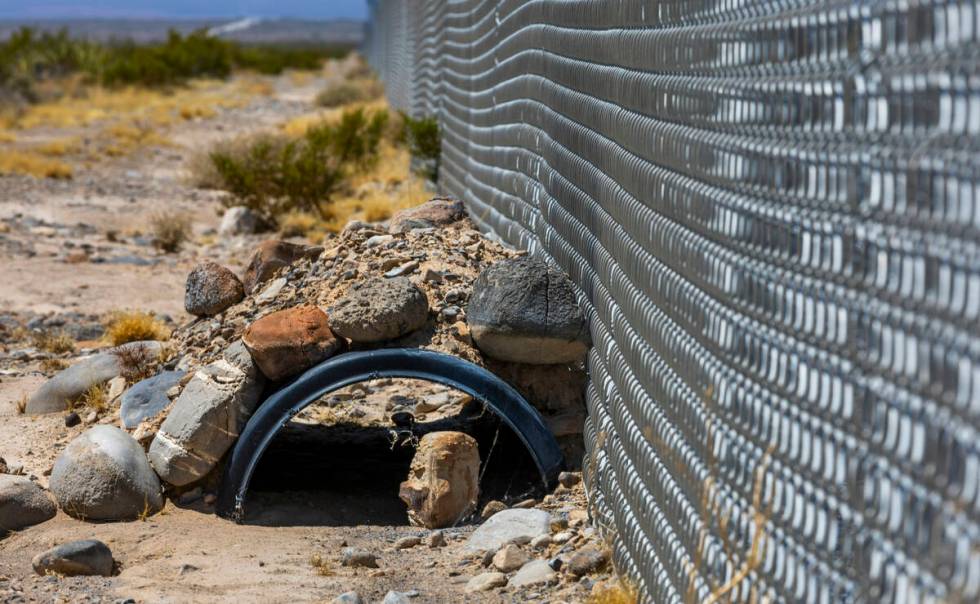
<point x="298" y="126"/>
<point x="7" y="137"/>
<point x="613" y="592"/>
<point x="22" y="161"/>
<point x="59" y="147"/>
<point x="124" y="327"/>
<point x="95" y="398"/>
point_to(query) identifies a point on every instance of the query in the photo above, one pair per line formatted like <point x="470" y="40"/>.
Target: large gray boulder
<point x="524" y="311"/>
<point x="53" y="396"/>
<point x="103" y="475"/>
<point x="23" y="503"/>
<point x="379" y="309"/>
<point x="509" y="525"/>
<point x="206" y="418"/>
<point x="147" y="398"/>
<point x="88" y="557"/>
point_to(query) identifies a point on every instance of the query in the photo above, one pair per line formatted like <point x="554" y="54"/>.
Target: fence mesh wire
<point x="772" y="210"/>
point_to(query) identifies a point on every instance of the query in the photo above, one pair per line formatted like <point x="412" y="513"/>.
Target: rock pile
<point x="428" y="280"/>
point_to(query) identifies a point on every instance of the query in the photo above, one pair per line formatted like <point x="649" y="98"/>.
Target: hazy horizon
<point x="185" y="9"/>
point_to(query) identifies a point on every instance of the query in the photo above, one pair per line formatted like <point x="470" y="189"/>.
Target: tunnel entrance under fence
<point x="311" y="456"/>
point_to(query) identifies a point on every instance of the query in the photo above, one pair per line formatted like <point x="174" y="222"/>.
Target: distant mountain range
<point x="251" y="31"/>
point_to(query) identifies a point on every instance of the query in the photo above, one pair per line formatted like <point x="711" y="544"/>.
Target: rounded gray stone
<point x="23" y="503"/>
<point x="525" y="311"/>
<point x="104" y="475"/>
<point x="211" y="289"/>
<point x="240" y="220"/>
<point x="379" y="309"/>
<point x="88" y="557"/>
<point x="147" y="398"/>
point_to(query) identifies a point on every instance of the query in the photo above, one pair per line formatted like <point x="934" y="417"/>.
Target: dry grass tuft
<point x="95" y="398"/>
<point x="21" y="405"/>
<point x="137" y="362"/>
<point x="303" y="224"/>
<point x="59" y="147"/>
<point x="350" y="91"/>
<point x="613" y="592"/>
<point x="321" y="566"/>
<point x="49" y="366"/>
<point x="53" y="342"/>
<point x="125" y="327"/>
<point x="170" y="230"/>
<point x="19" y="161"/>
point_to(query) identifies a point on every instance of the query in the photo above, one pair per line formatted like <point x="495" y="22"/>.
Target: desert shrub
<point x="28" y="57"/>
<point x="349" y="91"/>
<point x="273" y="60"/>
<point x="170" y="230"/>
<point x="424" y="142"/>
<point x="275" y="175"/>
<point x="55" y="342"/>
<point x="125" y="327"/>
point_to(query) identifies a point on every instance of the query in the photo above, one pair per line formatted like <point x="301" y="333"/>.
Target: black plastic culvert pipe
<point x="354" y="367"/>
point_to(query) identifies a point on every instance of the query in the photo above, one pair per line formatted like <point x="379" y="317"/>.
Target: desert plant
<point x="125" y="327"/>
<point x="348" y="92"/>
<point x="321" y="565"/>
<point x="170" y="230"/>
<point x="53" y="341"/>
<point x="95" y="398"/>
<point x="275" y="175"/>
<point x="425" y="143"/>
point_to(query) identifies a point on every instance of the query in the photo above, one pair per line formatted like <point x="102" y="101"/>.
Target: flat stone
<point x="444" y="480"/>
<point x="485" y="582"/>
<point x="435" y="212"/>
<point x="147" y="398"/>
<point x="535" y="572"/>
<point x="508" y="526"/>
<point x="291" y="341"/>
<point x="270" y="257"/>
<point x="211" y="289"/>
<point x="207" y="417"/>
<point x="89" y="557"/>
<point x="103" y="474"/>
<point x="69" y="384"/>
<point x="510" y="558"/>
<point x="23" y="503"/>
<point x="397" y="597"/>
<point x="525" y="311"/>
<point x="350" y="597"/>
<point x="380" y="309"/>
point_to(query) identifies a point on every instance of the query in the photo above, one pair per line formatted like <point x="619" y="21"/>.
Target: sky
<point x="315" y="9"/>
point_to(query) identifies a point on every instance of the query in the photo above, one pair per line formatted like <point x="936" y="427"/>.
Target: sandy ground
<point x="80" y="246"/>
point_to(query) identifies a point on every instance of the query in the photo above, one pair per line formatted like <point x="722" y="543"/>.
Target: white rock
<point x="509" y="526"/>
<point x="535" y="572"/>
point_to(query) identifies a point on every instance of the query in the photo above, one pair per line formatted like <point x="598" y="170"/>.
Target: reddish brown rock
<point x="290" y="341"/>
<point x="211" y="288"/>
<point x="271" y="256"/>
<point x="443" y="483"/>
<point x="434" y="212"/>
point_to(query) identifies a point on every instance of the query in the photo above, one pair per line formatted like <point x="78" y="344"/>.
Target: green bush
<point x="274" y="175"/>
<point x="424" y="143"/>
<point x="28" y="57"/>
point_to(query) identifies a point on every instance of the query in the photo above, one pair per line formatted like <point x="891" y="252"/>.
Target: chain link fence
<point x="772" y="211"/>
